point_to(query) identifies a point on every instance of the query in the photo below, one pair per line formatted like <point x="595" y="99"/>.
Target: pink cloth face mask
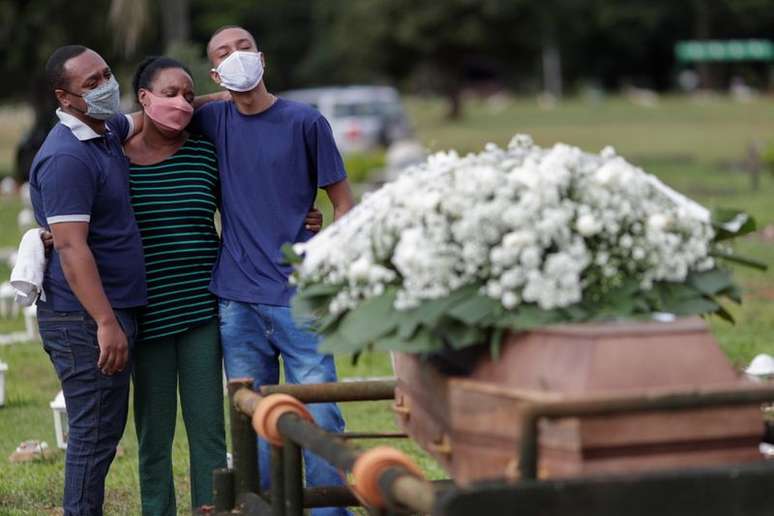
<point x="171" y="113"/>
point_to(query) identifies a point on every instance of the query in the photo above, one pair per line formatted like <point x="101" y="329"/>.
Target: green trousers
<point x="193" y="360"/>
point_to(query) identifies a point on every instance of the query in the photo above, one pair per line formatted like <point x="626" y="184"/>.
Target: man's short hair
<point x="55" y="66"/>
<point x="226" y="27"/>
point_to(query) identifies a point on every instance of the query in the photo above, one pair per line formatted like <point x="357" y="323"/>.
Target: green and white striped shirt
<point x="174" y="202"/>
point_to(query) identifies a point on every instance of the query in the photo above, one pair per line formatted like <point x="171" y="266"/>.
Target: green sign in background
<point x="730" y="50"/>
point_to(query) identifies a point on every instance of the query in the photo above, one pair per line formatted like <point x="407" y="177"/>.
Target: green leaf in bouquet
<point x="710" y="282"/>
<point x="624" y="309"/>
<point x="733" y="293"/>
<point x="490" y="320"/>
<point x="390" y="342"/>
<point x="314" y="304"/>
<point x="526" y="317"/>
<point x="617" y="302"/>
<point x="496" y="342"/>
<point x="458" y="335"/>
<point x="328" y="323"/>
<point x="423" y="341"/>
<point x="739" y="260"/>
<point x="371" y="319"/>
<point x="724" y="314"/>
<point x="684" y="299"/>
<point x="474" y="310"/>
<point x="337" y="342"/>
<point x="672" y="293"/>
<point x="408" y="327"/>
<point x="290" y="256"/>
<point x="641" y="304"/>
<point x="647" y="301"/>
<point x="575" y="313"/>
<point x="627" y="288"/>
<point x="731" y="223"/>
<point x="319" y="290"/>
<point x="304" y="308"/>
<point x="429" y="312"/>
<point x="692" y="306"/>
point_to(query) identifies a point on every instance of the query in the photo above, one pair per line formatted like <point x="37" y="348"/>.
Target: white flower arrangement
<point x="509" y="238"/>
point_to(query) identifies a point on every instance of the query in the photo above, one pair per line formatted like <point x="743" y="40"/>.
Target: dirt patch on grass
<point x="763" y="293"/>
<point x="766" y="234"/>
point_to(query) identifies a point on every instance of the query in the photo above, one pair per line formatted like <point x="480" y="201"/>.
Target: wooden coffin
<point x="471" y="424"/>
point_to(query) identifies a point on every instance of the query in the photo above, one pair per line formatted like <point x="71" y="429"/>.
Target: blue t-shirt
<point x="271" y="165"/>
<point x="87" y="180"/>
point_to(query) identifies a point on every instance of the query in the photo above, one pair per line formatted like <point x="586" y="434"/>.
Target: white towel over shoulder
<point x="27" y="274"/>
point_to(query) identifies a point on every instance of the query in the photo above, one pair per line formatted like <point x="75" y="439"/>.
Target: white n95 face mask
<point x="240" y="71"/>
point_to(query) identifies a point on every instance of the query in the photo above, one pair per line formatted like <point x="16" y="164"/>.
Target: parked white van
<point x="362" y="117"/>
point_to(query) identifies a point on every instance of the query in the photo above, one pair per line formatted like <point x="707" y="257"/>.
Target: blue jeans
<point x="253" y="337"/>
<point x="96" y="404"/>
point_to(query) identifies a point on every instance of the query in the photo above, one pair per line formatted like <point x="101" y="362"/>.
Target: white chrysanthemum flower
<point x="527" y="223"/>
<point x="587" y="225"/>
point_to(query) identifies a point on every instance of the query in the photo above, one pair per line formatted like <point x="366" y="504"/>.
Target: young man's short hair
<point x="226" y="27"/>
<point x="55" y="66"/>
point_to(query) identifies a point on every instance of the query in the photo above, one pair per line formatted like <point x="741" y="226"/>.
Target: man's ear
<point x="215" y="77"/>
<point x="263" y="59"/>
<point x="61" y="98"/>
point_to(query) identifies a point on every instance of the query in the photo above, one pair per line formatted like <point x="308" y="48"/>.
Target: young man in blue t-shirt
<point x="273" y="155"/>
<point x="95" y="279"/>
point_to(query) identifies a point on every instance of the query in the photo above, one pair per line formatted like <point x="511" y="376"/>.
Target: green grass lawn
<point x="35" y="488"/>
<point x="707" y="130"/>
<point x="689" y="144"/>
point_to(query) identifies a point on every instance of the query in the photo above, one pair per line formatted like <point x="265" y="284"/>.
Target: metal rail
<point x="400" y="488"/>
<point x="537" y="409"/>
<point x="245" y="452"/>
<point x="335" y="392"/>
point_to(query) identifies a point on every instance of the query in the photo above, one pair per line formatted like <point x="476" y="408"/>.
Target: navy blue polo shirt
<point x="81" y="176"/>
<point x="270" y="166"/>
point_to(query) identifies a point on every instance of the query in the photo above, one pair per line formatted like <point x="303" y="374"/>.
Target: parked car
<point x="362" y="117"/>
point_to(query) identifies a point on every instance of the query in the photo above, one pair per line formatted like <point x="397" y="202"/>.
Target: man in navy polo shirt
<point x="273" y="155"/>
<point x="96" y="274"/>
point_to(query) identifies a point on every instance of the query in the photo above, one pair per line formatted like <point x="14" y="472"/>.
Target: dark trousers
<point x="191" y="363"/>
<point x="96" y="404"/>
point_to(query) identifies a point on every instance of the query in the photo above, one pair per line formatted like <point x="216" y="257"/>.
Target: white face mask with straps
<point x="240" y="71"/>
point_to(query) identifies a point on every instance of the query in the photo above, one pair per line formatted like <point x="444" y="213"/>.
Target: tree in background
<point x="283" y="29"/>
<point x="436" y="43"/>
<point x="420" y="45"/>
<point x="30" y="31"/>
<point x="135" y="22"/>
<point x="129" y="19"/>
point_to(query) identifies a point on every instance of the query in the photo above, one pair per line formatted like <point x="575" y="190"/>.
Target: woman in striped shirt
<point x="174" y="189"/>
